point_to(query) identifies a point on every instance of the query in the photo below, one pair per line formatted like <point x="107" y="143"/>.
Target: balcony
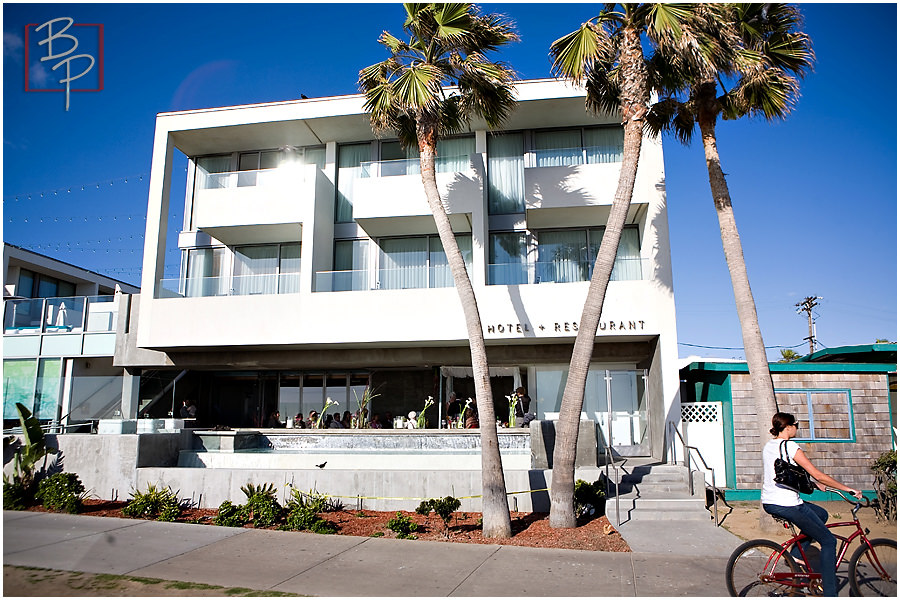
<point x="69" y="326"/>
<point x="568" y="271"/>
<point x="407" y="212"/>
<point x="230" y="285"/>
<point x="246" y="207"/>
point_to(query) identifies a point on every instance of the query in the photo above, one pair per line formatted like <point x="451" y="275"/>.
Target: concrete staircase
<point x="657" y="492"/>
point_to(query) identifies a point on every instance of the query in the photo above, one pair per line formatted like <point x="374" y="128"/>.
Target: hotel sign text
<point x="562" y="327"/>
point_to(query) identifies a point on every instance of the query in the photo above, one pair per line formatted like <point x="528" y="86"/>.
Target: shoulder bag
<point x="791" y="476"/>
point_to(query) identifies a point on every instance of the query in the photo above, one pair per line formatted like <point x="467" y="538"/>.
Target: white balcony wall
<point x="401" y="316"/>
<point x="397" y="204"/>
<point x="284" y="200"/>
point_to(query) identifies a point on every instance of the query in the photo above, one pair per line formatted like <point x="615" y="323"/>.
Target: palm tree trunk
<point x="754" y="348"/>
<point x="495" y="509"/>
<point x="635" y="97"/>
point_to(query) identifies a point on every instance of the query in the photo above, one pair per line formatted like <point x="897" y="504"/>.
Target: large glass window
<point x="454" y="154"/>
<point x="18" y="385"/>
<point x="350" y="159"/>
<point x="578" y="146"/>
<point x="395" y="160"/>
<point x="351" y="267"/>
<point x="628" y="257"/>
<point x="255" y="270"/>
<point x="250" y="163"/>
<point x="207" y="272"/>
<point x="506" y="175"/>
<point x="25" y="287"/>
<point x="562" y="256"/>
<point x="508" y="259"/>
<point x="213" y="172"/>
<point x="418" y="262"/>
<point x="46" y="395"/>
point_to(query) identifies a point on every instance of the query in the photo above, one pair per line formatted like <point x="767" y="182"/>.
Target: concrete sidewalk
<point x="334" y="565"/>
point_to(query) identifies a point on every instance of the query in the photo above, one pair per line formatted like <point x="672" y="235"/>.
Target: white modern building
<point x="311" y="268"/>
<point x="59" y="337"/>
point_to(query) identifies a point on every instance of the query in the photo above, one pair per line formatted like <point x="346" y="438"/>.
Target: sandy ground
<point x="742" y="519"/>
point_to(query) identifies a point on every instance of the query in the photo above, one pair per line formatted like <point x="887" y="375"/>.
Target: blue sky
<point x="815" y="196"/>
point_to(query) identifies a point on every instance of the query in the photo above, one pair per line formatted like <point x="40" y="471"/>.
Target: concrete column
<point x="131" y="386"/>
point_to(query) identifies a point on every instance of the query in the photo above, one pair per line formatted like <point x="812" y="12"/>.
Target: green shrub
<point x="590" y="498"/>
<point x="61" y="492"/>
<point x="885" y="468"/>
<point x="443" y="507"/>
<point x="159" y="503"/>
<point x="230" y="515"/>
<point x="403" y="526"/>
<point x="303" y="512"/>
<point x="17" y="495"/>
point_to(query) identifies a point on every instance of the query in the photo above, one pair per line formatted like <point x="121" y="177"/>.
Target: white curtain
<point x="212" y="172"/>
<point x="255" y="270"/>
<point x="289" y="269"/>
<point x="628" y="258"/>
<point x="439" y="273"/>
<point x="403" y="263"/>
<point x="351" y="256"/>
<point x="558" y="148"/>
<point x="506" y="174"/>
<point x="561" y="256"/>
<point x="350" y="158"/>
<point x="454" y="154"/>
<point x="206" y="272"/>
<point x="604" y="144"/>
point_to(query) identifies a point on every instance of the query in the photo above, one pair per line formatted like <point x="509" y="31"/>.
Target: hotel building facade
<point x="311" y="267"/>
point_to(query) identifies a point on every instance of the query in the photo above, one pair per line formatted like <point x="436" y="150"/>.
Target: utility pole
<point x="807" y="306"/>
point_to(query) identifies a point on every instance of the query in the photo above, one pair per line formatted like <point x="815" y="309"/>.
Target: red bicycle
<point x="766" y="568"/>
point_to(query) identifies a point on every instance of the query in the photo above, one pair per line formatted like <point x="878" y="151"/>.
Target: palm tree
<point x="606" y="54"/>
<point x="788" y="356"/>
<point x="408" y="93"/>
<point x="757" y="77"/>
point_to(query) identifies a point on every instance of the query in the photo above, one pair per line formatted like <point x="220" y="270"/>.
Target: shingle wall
<point x="848" y="462"/>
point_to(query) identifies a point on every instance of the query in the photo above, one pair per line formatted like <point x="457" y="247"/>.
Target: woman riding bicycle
<point x="786" y="504"/>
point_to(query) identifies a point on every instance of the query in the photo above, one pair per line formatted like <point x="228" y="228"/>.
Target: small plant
<point x="19" y="490"/>
<point x="461" y="423"/>
<point x="159" y="503"/>
<point x="262" y="508"/>
<point x="885" y="468"/>
<point x="512" y="399"/>
<point x="362" y="402"/>
<point x="303" y="512"/>
<point x="376" y="534"/>
<point x="230" y="515"/>
<point x="420" y="420"/>
<point x="328" y="404"/>
<point x="590" y="498"/>
<point x="403" y="526"/>
<point x="443" y="507"/>
<point x="61" y="492"/>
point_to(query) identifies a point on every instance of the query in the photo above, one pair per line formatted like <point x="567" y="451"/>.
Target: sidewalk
<point x="333" y="565"/>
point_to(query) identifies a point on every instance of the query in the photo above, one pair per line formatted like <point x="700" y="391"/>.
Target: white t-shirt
<point x="772" y="493"/>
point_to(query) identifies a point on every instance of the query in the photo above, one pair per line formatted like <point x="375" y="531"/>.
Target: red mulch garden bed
<point x="529" y="529"/>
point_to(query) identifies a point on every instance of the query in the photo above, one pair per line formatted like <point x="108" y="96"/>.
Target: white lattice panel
<point x="702" y="425"/>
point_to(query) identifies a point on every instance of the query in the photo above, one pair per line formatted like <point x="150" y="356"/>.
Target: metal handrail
<point x="687" y="463"/>
<point x="608" y="459"/>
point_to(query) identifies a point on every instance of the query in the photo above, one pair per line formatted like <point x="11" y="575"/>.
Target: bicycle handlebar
<point x="863" y="503"/>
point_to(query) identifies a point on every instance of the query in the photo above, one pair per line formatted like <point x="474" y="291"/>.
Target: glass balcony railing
<point x="406" y="278"/>
<point x="231" y="285"/>
<point x="259" y="178"/>
<point x="411" y="166"/>
<point x="561" y="271"/>
<point x="562" y="157"/>
<point x="74" y="314"/>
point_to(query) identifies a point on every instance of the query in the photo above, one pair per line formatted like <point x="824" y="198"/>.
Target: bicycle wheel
<point x="873" y="572"/>
<point x="750" y="571"/>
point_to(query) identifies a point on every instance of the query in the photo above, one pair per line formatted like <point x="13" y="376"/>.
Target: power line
<point x="729" y="348"/>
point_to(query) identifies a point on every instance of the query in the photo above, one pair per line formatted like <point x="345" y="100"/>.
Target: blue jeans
<point x="811" y="521"/>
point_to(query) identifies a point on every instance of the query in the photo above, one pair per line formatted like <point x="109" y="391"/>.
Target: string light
<point x="68" y="189"/>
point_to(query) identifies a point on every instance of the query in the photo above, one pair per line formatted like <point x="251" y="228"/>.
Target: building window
<point x="569" y="255"/>
<point x="453" y="156"/>
<point x="37" y="285"/>
<point x="506" y="174"/>
<point x="570" y="147"/>
<point x="213" y="172"/>
<point x="508" y="254"/>
<point x="822" y="415"/>
<point x="250" y="165"/>
<point x="350" y="162"/>
<point x="270" y="269"/>
<point x="207" y="272"/>
<point x="418" y="262"/>
<point x="351" y="268"/>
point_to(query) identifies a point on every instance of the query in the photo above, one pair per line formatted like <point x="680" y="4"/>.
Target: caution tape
<point x="418" y="498"/>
